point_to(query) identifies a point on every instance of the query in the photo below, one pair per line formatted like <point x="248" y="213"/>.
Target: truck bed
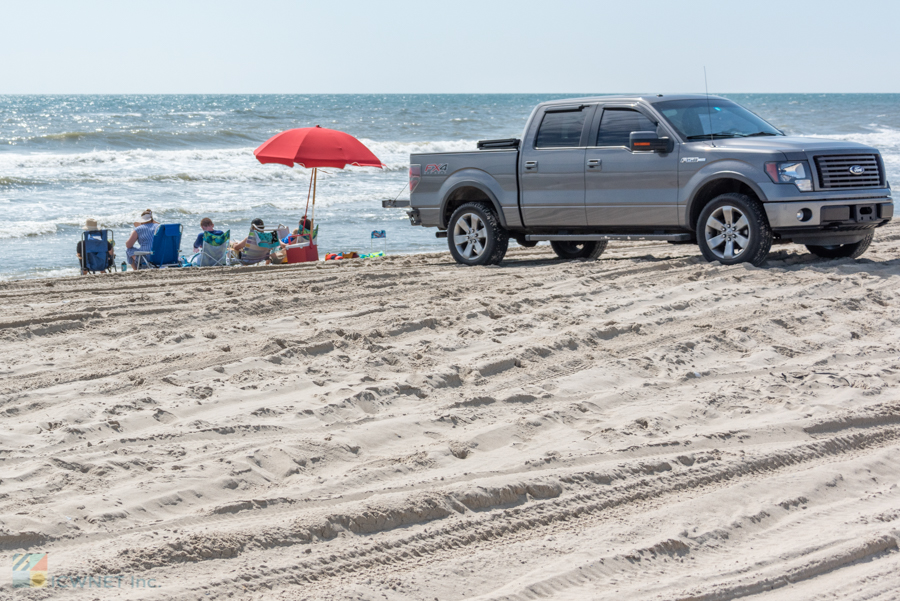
<point x="444" y="175"/>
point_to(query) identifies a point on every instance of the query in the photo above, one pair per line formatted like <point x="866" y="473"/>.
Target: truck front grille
<point x="835" y="171"/>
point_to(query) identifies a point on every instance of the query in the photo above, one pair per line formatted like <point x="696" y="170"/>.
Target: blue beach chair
<point x="165" y="249"/>
<point x="95" y="255"/>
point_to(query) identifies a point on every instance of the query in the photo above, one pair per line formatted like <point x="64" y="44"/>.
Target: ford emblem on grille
<point x="857" y="169"/>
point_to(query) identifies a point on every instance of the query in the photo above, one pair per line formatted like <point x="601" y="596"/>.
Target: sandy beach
<point x="646" y="426"/>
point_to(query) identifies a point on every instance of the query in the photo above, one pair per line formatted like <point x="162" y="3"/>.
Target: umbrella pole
<point x="312" y="221"/>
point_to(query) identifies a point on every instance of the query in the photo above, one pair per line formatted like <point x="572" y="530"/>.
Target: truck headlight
<point x="795" y="172"/>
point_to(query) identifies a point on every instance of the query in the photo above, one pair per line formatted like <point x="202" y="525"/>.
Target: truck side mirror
<point x="649" y="141"/>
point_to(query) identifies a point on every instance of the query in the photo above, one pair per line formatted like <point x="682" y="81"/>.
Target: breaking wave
<point x="132" y="139"/>
<point x="195" y="165"/>
<point x="26" y="229"/>
<point x="885" y="139"/>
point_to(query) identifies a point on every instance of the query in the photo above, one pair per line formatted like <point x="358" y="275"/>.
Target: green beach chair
<point x="214" y="252"/>
<point x="259" y="245"/>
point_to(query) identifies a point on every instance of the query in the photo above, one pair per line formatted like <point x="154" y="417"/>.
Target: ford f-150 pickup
<point x="682" y="169"/>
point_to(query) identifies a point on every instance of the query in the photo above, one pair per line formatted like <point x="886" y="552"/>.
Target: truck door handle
<point x="530" y="165"/>
<point x="594" y="163"/>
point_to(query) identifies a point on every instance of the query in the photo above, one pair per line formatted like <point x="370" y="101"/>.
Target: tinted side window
<point x="617" y="124"/>
<point x="560" y="130"/>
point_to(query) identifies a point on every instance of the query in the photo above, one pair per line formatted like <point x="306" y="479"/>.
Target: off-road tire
<point x="842" y="251"/>
<point x="758" y="238"/>
<point x="495" y="240"/>
<point x="579" y="250"/>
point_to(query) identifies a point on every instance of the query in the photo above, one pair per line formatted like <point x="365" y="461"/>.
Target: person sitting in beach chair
<point x="257" y="246"/>
<point x="213" y="249"/>
<point x="207" y="225"/>
<point x="95" y="249"/>
<point x="144" y="229"/>
<point x="303" y="233"/>
<point x="163" y="250"/>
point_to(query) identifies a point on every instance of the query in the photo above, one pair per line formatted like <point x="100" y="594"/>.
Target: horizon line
<point x="419" y="93"/>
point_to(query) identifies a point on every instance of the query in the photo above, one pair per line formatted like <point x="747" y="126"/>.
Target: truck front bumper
<point x="829" y="213"/>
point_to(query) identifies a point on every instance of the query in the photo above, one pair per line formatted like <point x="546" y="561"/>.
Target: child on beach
<point x="207" y="225"/>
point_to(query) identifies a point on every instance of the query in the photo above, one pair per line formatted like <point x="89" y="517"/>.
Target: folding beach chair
<point x="259" y="245"/>
<point x="306" y="236"/>
<point x="95" y="251"/>
<point x="165" y="249"/>
<point x="302" y="247"/>
<point x="282" y="231"/>
<point x="215" y="249"/>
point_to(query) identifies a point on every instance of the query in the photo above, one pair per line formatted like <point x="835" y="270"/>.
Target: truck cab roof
<point x="629" y="98"/>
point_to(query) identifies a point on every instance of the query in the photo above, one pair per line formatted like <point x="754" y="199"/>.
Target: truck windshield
<point x="695" y="119"/>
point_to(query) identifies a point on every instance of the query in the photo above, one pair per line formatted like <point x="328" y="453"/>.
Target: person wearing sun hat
<point x="144" y="229"/>
<point x="90" y="225"/>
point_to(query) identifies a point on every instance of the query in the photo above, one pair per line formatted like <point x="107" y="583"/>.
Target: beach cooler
<point x="302" y="252"/>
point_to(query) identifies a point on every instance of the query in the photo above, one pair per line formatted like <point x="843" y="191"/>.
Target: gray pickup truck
<point x="683" y="169"/>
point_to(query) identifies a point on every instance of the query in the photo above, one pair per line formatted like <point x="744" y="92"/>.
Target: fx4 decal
<point x="436" y="169"/>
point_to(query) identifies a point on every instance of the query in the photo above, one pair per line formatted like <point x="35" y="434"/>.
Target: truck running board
<point x="595" y="237"/>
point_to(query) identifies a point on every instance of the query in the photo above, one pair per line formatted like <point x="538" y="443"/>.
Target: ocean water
<point x="64" y="159"/>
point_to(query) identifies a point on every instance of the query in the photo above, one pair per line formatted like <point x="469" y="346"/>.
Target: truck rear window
<point x="560" y="130"/>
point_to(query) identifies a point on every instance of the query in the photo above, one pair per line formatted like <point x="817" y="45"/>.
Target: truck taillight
<point x="415" y="176"/>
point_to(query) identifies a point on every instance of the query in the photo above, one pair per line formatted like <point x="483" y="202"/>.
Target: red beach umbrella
<point x="314" y="147"/>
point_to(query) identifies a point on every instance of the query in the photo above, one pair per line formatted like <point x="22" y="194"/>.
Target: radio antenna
<point x="712" y="139"/>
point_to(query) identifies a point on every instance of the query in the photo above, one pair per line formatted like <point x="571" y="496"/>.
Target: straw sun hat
<point x="90" y="225"/>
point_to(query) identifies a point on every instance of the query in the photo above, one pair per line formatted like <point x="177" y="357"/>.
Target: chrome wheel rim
<point x="470" y="236"/>
<point x="727" y="232"/>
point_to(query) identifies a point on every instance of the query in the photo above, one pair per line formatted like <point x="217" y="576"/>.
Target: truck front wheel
<point x="475" y="235"/>
<point x="842" y="251"/>
<point x="733" y="229"/>
<point x="579" y="250"/>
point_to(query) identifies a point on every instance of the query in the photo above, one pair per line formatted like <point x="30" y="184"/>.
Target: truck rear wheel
<point x="733" y="229"/>
<point x="842" y="251"/>
<point x="579" y="250"/>
<point x="475" y="235"/>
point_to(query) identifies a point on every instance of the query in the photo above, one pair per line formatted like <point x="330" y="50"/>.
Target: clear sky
<point x="448" y="46"/>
